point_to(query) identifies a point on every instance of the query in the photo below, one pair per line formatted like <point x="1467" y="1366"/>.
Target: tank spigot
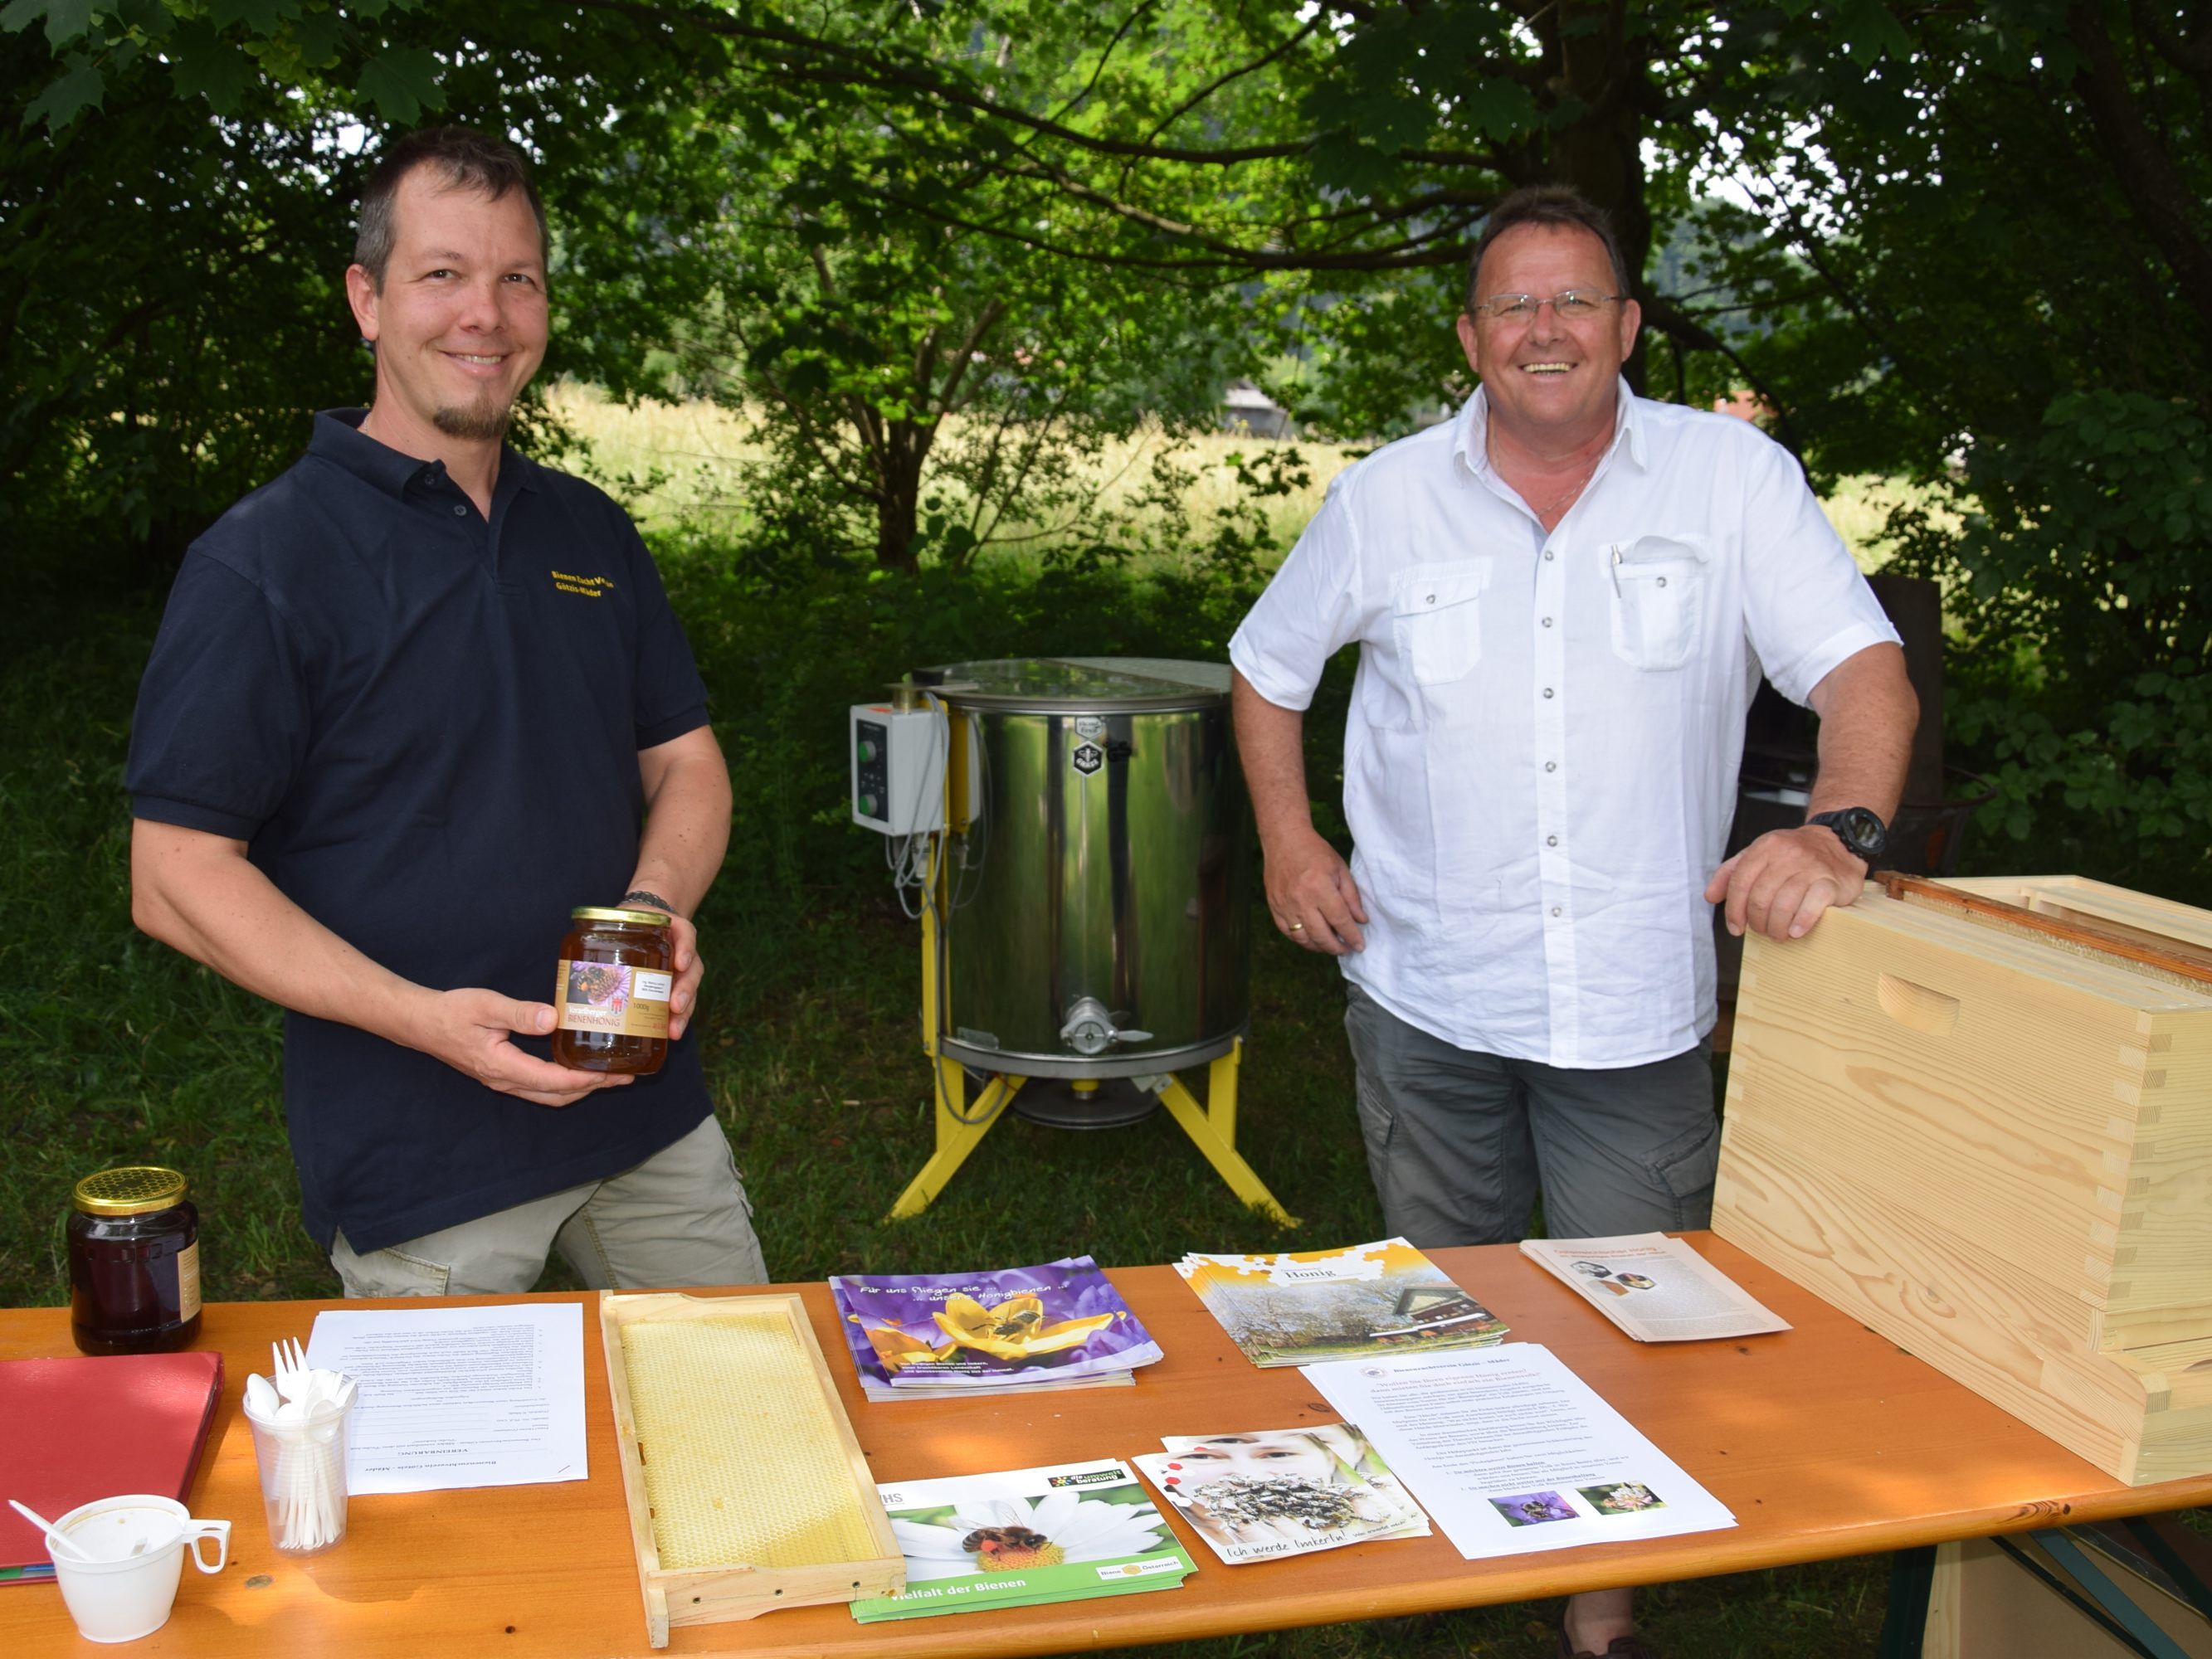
<point x="1090" y="1028"/>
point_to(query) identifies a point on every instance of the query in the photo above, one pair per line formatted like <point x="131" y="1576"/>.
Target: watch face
<point x="1861" y="830"/>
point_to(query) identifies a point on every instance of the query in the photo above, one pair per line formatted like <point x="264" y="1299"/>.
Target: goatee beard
<point x="478" y="423"/>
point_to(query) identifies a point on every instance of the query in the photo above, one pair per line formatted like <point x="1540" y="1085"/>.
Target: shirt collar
<point x="1471" y="442"/>
<point x="338" y="438"/>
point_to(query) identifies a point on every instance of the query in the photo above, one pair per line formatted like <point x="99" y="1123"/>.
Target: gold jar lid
<point x="134" y="1190"/>
<point x="634" y="917"/>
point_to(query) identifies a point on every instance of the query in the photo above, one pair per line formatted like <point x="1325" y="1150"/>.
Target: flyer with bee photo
<point x="1262" y="1494"/>
<point x="1655" y="1288"/>
<point x="1064" y="1533"/>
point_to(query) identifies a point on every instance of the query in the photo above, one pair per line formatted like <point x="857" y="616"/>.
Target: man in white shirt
<point x="1565" y="599"/>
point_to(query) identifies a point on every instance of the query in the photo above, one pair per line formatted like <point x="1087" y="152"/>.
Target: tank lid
<point x="1055" y="683"/>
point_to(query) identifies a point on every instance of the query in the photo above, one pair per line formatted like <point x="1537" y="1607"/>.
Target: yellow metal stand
<point x="1212" y="1129"/>
<point x="960" y="1127"/>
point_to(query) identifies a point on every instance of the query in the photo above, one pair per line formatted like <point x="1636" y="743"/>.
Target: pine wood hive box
<point x="1994" y="1146"/>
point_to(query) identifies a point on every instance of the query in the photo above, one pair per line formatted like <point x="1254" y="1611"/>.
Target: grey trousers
<point x="1459" y="1142"/>
<point x="680" y="1218"/>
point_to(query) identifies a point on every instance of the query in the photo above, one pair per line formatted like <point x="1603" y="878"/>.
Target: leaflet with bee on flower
<point x="1065" y="1532"/>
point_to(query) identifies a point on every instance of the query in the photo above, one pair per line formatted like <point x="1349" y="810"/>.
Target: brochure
<point x="1065" y="1533"/>
<point x="1059" y="1326"/>
<point x="1511" y="1452"/>
<point x="1271" y="1492"/>
<point x="1296" y="1307"/>
<point x="1655" y="1288"/>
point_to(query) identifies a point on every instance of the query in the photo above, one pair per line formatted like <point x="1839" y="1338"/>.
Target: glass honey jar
<point x="617" y="969"/>
<point x="134" y="1262"/>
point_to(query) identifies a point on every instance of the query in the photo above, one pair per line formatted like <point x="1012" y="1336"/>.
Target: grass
<point x="684" y="465"/>
<point x="114" y="1049"/>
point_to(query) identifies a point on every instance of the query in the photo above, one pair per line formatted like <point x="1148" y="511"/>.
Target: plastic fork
<point x="288" y="1368"/>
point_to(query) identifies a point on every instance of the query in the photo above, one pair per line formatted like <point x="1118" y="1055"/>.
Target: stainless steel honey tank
<point x="1098" y="916"/>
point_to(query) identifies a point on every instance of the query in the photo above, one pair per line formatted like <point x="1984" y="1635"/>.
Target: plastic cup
<point x="138" y="1543"/>
<point x="302" y="1463"/>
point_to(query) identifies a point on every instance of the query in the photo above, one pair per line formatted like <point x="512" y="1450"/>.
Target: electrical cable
<point x="917" y="859"/>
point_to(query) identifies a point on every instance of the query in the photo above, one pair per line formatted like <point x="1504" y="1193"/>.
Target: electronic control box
<point x="897" y="760"/>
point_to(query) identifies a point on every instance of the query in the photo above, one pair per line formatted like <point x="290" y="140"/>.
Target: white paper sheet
<point x="456" y="1397"/>
<point x="1511" y="1452"/>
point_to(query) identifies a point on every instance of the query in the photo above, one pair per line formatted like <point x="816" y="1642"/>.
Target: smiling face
<point x="459" y="321"/>
<point x="1550" y="384"/>
<point x="1259" y="1457"/>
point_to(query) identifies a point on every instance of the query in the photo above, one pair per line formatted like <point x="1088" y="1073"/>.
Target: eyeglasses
<point x="1572" y="307"/>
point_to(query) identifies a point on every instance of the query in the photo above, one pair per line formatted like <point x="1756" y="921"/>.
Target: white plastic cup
<point x="303" y="1478"/>
<point x="137" y="1544"/>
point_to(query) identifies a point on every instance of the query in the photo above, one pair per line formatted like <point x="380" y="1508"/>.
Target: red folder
<point x="75" y="1430"/>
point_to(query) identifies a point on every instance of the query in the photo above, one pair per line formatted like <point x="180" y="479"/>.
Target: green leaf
<point x="260" y="16"/>
<point x="75" y="89"/>
<point x="315" y="38"/>
<point x="204" y="64"/>
<point x="402" y="83"/>
<point x="150" y="17"/>
<point x="66" y="19"/>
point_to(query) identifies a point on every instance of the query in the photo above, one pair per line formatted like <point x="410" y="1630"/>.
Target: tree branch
<point x="1681" y="329"/>
<point x="2144" y="173"/>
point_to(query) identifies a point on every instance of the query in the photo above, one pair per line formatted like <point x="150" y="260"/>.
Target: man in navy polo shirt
<point x="409" y="704"/>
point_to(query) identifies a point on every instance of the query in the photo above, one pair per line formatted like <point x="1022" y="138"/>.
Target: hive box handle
<point x="1917" y="1006"/>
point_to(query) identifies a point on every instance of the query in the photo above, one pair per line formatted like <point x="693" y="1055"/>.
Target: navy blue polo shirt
<point x="425" y="726"/>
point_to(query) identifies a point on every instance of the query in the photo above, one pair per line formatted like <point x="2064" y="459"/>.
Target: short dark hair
<point x="1547" y="205"/>
<point x="469" y="159"/>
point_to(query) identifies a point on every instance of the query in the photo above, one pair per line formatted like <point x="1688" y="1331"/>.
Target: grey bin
<point x="1099" y="916"/>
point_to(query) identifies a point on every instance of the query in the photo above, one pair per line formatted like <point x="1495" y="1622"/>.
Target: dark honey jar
<point x="610" y="1000"/>
<point x="134" y="1258"/>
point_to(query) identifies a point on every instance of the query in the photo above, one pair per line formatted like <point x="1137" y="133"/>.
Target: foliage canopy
<point x="1970" y="245"/>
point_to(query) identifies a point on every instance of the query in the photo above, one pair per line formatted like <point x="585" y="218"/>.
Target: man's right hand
<point x="1312" y="896"/>
<point x="473" y="1031"/>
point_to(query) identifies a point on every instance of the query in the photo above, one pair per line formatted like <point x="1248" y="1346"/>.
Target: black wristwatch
<point x="1859" y="827"/>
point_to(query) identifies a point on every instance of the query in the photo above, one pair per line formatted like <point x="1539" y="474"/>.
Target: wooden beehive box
<point x="747" y="1489"/>
<point x="1989" y="1137"/>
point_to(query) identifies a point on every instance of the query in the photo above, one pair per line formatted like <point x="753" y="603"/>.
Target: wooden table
<point x="1825" y="1441"/>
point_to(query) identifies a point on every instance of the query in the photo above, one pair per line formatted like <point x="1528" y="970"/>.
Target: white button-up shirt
<point x="1540" y="765"/>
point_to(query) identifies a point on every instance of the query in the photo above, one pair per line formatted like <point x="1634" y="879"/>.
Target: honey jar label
<point x="610" y="996"/>
<point x="188" y="1281"/>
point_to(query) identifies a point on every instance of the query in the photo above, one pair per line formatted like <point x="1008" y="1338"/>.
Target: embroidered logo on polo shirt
<point x="592" y="587"/>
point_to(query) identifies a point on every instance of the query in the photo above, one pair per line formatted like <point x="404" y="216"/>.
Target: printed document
<point x="1511" y="1452"/>
<point x="1655" y="1288"/>
<point x="455" y="1397"/>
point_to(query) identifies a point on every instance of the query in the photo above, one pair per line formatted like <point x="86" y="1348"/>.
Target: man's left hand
<point x="689" y="970"/>
<point x="1780" y="884"/>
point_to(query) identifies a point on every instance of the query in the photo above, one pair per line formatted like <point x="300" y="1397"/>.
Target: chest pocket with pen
<point x="1436" y="618"/>
<point x="1658" y="584"/>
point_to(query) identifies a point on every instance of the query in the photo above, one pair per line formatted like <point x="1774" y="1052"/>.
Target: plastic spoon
<point x="74" y="1549"/>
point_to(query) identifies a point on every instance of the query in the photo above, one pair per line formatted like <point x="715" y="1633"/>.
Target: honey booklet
<point x="1655" y="1288"/>
<point x="1297" y="1307"/>
<point x="1263" y="1494"/>
<point x="1064" y="1533"/>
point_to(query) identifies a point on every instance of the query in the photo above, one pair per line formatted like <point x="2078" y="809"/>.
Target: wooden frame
<point x="737" y="1589"/>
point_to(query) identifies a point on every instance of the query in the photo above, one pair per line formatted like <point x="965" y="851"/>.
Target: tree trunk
<point x="898" y="496"/>
<point x="1601" y="155"/>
